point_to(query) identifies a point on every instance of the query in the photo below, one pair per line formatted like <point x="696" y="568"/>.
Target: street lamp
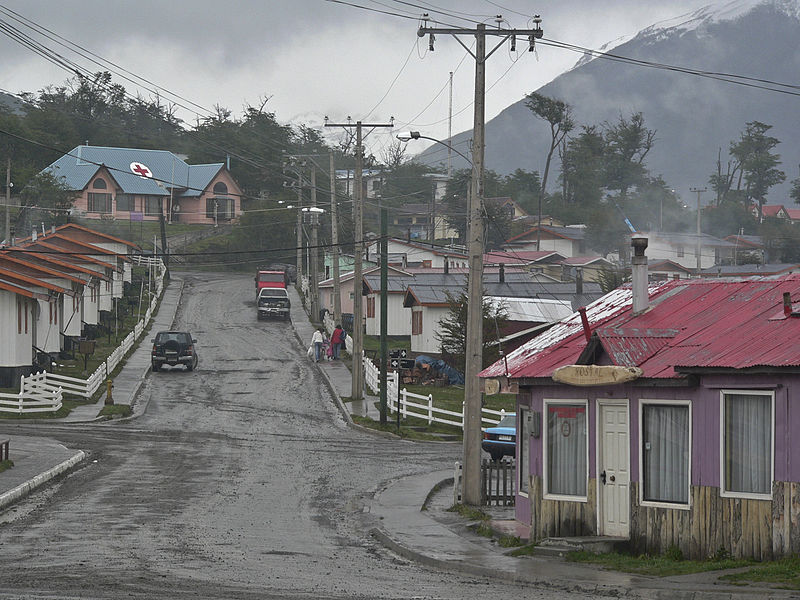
<point x="407" y="136"/>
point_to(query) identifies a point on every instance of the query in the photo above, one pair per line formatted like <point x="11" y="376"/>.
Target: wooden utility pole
<point x="384" y="245"/>
<point x="313" y="267"/>
<point x="475" y="242"/>
<point x="335" y="251"/>
<point x="299" y="267"/>
<point x="357" y="392"/>
<point x="698" y="246"/>
<point x="8" y="202"/>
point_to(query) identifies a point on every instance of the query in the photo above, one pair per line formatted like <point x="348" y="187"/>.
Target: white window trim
<point x="521" y="413"/>
<point x="748" y="392"/>
<point x="546" y="484"/>
<point x="650" y="503"/>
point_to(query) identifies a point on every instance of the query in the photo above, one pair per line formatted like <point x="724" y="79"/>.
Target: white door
<point x="613" y="479"/>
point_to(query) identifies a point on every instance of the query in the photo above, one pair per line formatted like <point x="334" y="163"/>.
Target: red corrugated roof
<point x="699" y="323"/>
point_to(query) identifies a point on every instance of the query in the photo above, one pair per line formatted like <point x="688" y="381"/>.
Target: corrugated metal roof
<point x="533" y="310"/>
<point x="717" y="324"/>
<point x="79" y="166"/>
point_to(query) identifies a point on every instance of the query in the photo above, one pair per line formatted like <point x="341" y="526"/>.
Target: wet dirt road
<point x="240" y="481"/>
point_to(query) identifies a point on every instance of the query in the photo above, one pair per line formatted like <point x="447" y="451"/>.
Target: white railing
<point x="43" y="391"/>
<point x="423" y="408"/>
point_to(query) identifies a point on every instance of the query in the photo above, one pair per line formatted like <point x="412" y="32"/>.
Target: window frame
<point x="747" y="495"/>
<point x="148" y="200"/>
<point x="92" y="200"/>
<point x="416" y="322"/>
<point x="128" y="199"/>
<point x="546" y="403"/>
<point x="523" y="441"/>
<point x="654" y="503"/>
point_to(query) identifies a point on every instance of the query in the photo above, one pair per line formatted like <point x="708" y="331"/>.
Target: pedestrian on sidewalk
<point x="336" y="341"/>
<point x="316" y="341"/>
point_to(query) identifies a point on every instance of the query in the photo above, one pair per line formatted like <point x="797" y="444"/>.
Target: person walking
<point x="337" y="339"/>
<point x="317" y="340"/>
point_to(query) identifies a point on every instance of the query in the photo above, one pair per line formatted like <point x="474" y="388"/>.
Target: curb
<point x="26" y="488"/>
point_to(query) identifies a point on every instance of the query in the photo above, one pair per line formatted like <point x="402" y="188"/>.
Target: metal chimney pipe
<point x="502" y="273"/>
<point x="787" y="304"/>
<point x="641" y="300"/>
<point x="578" y="280"/>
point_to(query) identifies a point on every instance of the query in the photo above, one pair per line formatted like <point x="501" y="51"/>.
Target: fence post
<point x="403" y="403"/>
<point x="430" y="409"/>
<point x="462" y="415"/>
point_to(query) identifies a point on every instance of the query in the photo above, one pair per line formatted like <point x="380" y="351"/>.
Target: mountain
<point x="694" y="117"/>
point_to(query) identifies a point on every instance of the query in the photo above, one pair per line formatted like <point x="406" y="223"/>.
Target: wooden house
<point x="664" y="415"/>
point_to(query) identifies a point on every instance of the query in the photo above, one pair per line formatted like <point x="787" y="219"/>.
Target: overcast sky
<point x="315" y="57"/>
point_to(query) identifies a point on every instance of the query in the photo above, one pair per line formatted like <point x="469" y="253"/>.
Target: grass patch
<point x="469" y="512"/>
<point x="112" y="410"/>
<point x="510" y="541"/>
<point x="784" y="573"/>
<point x="659" y="566"/>
<point x="5" y="465"/>
<point x="408" y="429"/>
<point x="372" y="343"/>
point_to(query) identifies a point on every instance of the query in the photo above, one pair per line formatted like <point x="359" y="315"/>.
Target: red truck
<point x="270" y="279"/>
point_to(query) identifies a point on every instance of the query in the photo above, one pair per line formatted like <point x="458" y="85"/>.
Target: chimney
<point x="578" y="280"/>
<point x="787" y="304"/>
<point x="33" y="235"/>
<point x="639" y="273"/>
<point x="446" y="266"/>
<point x="502" y="273"/>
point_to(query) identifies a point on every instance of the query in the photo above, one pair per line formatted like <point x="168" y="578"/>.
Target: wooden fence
<point x="498" y="482"/>
<point x="418" y="406"/>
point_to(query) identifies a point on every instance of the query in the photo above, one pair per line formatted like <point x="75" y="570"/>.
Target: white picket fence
<point x="43" y="391"/>
<point x="417" y="405"/>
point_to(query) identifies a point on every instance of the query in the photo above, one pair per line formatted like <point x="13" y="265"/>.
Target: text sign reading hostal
<point x="586" y="375"/>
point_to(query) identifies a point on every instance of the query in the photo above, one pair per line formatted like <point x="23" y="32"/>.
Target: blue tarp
<point x="453" y="377"/>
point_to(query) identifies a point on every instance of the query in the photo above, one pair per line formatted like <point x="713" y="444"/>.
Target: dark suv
<point x="174" y="348"/>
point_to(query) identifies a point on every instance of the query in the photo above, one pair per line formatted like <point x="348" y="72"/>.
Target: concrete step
<point x="559" y="546"/>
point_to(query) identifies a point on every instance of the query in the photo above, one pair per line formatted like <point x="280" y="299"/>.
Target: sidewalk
<point x="410" y="511"/>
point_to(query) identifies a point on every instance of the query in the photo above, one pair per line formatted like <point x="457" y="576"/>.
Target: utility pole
<point x="299" y="267"/>
<point x="357" y="392"/>
<point x="8" y="202"/>
<point x="697" y="247"/>
<point x="335" y="251"/>
<point x="384" y="243"/>
<point x="475" y="242"/>
<point x="314" y="246"/>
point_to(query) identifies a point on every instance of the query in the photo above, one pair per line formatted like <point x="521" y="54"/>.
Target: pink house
<point x="137" y="185"/>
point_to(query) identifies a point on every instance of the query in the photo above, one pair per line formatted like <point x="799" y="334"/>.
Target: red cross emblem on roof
<point x="141" y="170"/>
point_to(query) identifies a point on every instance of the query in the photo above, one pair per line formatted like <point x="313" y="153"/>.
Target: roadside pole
<point x="384" y="246"/>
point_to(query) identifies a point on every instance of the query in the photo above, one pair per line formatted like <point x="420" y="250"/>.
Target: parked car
<point x="273" y="302"/>
<point x="174" y="348"/>
<point x="501" y="440"/>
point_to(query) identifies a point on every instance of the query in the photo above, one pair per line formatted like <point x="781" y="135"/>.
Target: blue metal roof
<point x="80" y="165"/>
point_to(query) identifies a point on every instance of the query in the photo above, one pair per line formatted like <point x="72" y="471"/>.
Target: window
<point x="680" y="251"/>
<point x="99" y="184"/>
<point x="220" y="188"/>
<point x="99" y="203"/>
<point x="370" y="307"/>
<point x="566" y="450"/>
<point x="416" y="322"/>
<point x="19" y="315"/>
<point x="219" y="209"/>
<point x="665" y="452"/>
<point x="747" y="434"/>
<point x="524" y="443"/>
<point x="125" y="202"/>
<point x="152" y="205"/>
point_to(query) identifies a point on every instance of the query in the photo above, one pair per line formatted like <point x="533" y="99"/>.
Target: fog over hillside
<point x="693" y="116"/>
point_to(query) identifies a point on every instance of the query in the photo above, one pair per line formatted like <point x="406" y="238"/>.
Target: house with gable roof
<point x="663" y="416"/>
<point x="134" y="184"/>
<point x="567" y="241"/>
